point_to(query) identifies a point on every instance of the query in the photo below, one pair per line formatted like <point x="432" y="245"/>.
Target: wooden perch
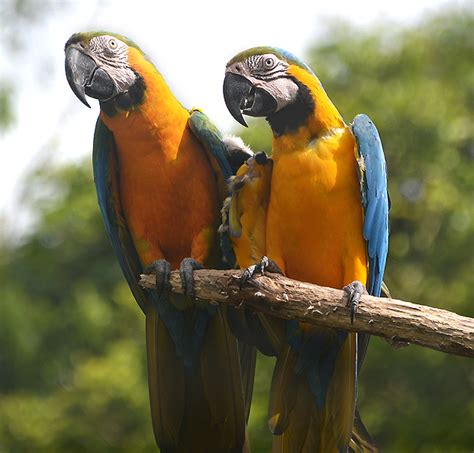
<point x="398" y="321"/>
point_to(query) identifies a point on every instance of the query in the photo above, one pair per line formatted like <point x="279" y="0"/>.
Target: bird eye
<point x="113" y="44"/>
<point x="269" y="63"/>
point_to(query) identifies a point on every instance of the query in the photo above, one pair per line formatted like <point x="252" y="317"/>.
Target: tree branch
<point x="398" y="321"/>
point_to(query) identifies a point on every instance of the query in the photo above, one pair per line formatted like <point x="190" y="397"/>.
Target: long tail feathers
<point x="246" y="325"/>
<point x="165" y="383"/>
<point x="221" y="377"/>
<point x="200" y="409"/>
<point x="295" y="415"/>
<point x="248" y="361"/>
<point x="283" y="392"/>
<point x="275" y="330"/>
<point x="342" y="393"/>
<point x="299" y="420"/>
<point x="361" y="441"/>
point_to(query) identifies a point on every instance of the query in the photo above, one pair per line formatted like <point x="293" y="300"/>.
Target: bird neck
<point x="313" y="115"/>
<point x="158" y="119"/>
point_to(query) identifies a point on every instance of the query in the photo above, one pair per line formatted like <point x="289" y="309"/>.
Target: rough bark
<point x="398" y="321"/>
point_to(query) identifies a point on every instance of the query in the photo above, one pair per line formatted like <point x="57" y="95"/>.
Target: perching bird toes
<point x="247" y="274"/>
<point x="354" y="292"/>
<point x="265" y="264"/>
<point x="162" y="270"/>
<point x="186" y="269"/>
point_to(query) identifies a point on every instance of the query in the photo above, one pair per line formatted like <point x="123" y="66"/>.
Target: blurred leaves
<point x="72" y="355"/>
<point x="18" y="20"/>
<point x="72" y="360"/>
<point x="6" y="110"/>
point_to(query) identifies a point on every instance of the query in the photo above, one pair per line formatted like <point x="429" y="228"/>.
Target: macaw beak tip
<point x="236" y="89"/>
<point x="84" y="101"/>
<point x="241" y="120"/>
<point x="79" y="68"/>
<point x="85" y="77"/>
<point x="243" y="98"/>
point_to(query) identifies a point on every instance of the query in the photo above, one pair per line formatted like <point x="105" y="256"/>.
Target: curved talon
<point x="162" y="270"/>
<point x="354" y="292"/>
<point x="186" y="269"/>
<point x="247" y="275"/>
<point x="271" y="266"/>
<point x="265" y="264"/>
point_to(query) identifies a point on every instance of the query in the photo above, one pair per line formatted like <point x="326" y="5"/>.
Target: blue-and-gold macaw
<point x="322" y="218"/>
<point x="160" y="172"/>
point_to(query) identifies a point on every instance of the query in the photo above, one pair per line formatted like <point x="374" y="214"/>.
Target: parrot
<point x="159" y="172"/>
<point x="319" y="211"/>
<point x="243" y="225"/>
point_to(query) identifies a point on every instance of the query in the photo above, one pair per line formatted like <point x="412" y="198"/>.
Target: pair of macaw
<point x="160" y="173"/>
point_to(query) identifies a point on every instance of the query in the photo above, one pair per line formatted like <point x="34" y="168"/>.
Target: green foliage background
<point x="72" y="363"/>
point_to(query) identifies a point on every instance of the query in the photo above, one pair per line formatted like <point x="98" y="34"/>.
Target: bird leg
<point x="162" y="270"/>
<point x="354" y="292"/>
<point x="265" y="264"/>
<point x="186" y="269"/>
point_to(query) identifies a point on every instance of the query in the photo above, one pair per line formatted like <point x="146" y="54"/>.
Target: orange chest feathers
<point x="314" y="225"/>
<point x="168" y="192"/>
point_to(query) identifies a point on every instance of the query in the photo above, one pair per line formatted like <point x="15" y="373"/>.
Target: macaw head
<point x="98" y="64"/>
<point x="272" y="83"/>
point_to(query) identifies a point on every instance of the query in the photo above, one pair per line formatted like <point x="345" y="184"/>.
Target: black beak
<point x="241" y="96"/>
<point x="85" y="77"/>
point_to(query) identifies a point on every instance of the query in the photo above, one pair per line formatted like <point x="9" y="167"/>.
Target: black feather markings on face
<point x="127" y="101"/>
<point x="294" y="115"/>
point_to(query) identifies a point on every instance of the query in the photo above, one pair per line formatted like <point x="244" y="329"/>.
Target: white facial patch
<point x="268" y="72"/>
<point x="112" y="55"/>
<point x="283" y="89"/>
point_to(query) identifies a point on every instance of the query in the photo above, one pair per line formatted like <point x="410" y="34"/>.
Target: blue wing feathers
<point x="317" y="355"/>
<point x="375" y="197"/>
<point x="212" y="140"/>
<point x="104" y="165"/>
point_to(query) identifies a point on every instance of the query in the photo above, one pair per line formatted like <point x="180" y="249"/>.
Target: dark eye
<point x="113" y="44"/>
<point x="269" y="63"/>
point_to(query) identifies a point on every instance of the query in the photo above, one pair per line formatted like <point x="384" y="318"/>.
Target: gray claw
<point x="271" y="266"/>
<point x="162" y="270"/>
<point x="354" y="292"/>
<point x="186" y="269"/>
<point x="265" y="264"/>
<point x="247" y="275"/>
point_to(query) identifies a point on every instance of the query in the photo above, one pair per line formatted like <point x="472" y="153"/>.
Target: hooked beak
<point x="242" y="97"/>
<point x="85" y="77"/>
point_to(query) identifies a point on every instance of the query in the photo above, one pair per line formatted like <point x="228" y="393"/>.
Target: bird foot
<point x="162" y="271"/>
<point x="265" y="264"/>
<point x="186" y="269"/>
<point x="354" y="291"/>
